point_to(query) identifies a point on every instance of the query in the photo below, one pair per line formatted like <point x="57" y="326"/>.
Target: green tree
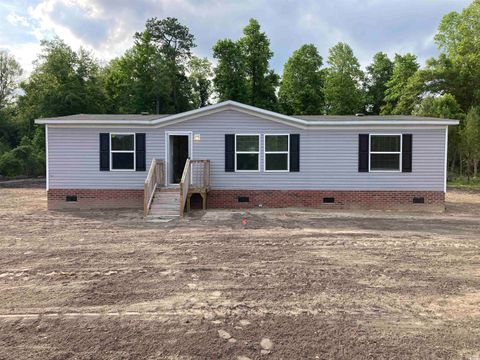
<point x="8" y="128"/>
<point x="26" y="159"/>
<point x="444" y="106"/>
<point x="404" y="67"/>
<point x="378" y="74"/>
<point x="151" y="76"/>
<point x="447" y="107"/>
<point x="261" y="81"/>
<point x="458" y="38"/>
<point x="412" y="95"/>
<point x="63" y="82"/>
<point x="301" y="89"/>
<point x="118" y="81"/>
<point x="174" y="42"/>
<point x="151" y="81"/>
<point x="200" y="70"/>
<point x="10" y="71"/>
<point x="470" y="135"/>
<point x="343" y="92"/>
<point x="243" y="73"/>
<point x="230" y="79"/>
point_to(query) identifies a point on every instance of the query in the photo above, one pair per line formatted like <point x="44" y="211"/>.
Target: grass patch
<point x="463" y="182"/>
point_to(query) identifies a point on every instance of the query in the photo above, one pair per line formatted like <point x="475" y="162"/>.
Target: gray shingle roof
<point x="149" y="117"/>
<point x="361" y="118"/>
<point x="298" y="120"/>
<point x="108" y="117"/>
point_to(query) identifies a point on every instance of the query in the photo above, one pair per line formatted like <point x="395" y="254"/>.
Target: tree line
<point x="160" y="74"/>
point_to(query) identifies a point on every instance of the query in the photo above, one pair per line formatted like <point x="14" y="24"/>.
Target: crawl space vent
<point x="418" y="200"/>
<point x="71" y="198"/>
<point x="243" y="199"/>
<point x="328" y="200"/>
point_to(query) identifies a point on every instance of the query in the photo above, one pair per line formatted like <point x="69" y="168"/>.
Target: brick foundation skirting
<point x="95" y="198"/>
<point x="229" y="199"/>
<point x="400" y="200"/>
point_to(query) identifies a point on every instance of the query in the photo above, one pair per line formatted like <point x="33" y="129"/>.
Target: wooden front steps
<point x="162" y="202"/>
<point x="165" y="204"/>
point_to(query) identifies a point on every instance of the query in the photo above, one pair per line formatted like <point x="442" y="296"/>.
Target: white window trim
<point x="123" y="151"/>
<point x="248" y="152"/>
<point x="265" y="152"/>
<point x="370" y="152"/>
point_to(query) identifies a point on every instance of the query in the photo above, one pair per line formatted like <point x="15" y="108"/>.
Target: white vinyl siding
<point x="328" y="157"/>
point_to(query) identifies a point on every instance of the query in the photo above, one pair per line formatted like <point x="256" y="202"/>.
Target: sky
<point x="106" y="27"/>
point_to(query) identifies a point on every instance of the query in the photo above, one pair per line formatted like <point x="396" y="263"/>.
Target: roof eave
<point x="229" y="104"/>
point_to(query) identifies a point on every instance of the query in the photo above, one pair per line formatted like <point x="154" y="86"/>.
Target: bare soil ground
<point x="316" y="284"/>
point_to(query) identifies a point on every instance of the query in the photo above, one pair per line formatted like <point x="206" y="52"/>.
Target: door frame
<point x="167" y="151"/>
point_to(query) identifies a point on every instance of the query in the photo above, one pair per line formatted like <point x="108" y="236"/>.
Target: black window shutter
<point x="229" y="152"/>
<point x="407" y="153"/>
<point x="140" y="158"/>
<point x="363" y="149"/>
<point x="294" y="152"/>
<point x="104" y="152"/>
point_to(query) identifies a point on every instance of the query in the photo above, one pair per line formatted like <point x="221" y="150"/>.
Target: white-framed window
<point x="277" y="152"/>
<point x="122" y="151"/>
<point x="247" y="152"/>
<point x="385" y="152"/>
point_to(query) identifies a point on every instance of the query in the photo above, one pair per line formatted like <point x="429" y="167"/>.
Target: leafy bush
<point x="26" y="159"/>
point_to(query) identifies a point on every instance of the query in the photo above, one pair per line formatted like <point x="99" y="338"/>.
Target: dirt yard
<point x="293" y="284"/>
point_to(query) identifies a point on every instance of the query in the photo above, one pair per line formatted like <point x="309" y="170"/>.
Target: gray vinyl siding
<point x="328" y="157"/>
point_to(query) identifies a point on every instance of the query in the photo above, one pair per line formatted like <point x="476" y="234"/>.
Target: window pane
<point x="276" y="162"/>
<point x="122" y="161"/>
<point x="385" y="162"/>
<point x="276" y="143"/>
<point x="385" y="143"/>
<point x="122" y="142"/>
<point x="247" y="143"/>
<point x="247" y="161"/>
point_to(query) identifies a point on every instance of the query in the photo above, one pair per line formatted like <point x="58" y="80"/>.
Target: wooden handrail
<point x="203" y="178"/>
<point x="154" y="179"/>
<point x="184" y="186"/>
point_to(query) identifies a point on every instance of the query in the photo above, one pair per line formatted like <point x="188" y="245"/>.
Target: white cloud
<point x="25" y="54"/>
<point x="106" y="27"/>
<point x="17" y="20"/>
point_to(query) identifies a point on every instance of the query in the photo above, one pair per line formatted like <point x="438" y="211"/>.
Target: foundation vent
<point x="329" y="200"/>
<point x="71" y="198"/>
<point x="419" y="200"/>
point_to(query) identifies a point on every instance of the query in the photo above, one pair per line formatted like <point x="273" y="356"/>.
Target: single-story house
<point x="238" y="156"/>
